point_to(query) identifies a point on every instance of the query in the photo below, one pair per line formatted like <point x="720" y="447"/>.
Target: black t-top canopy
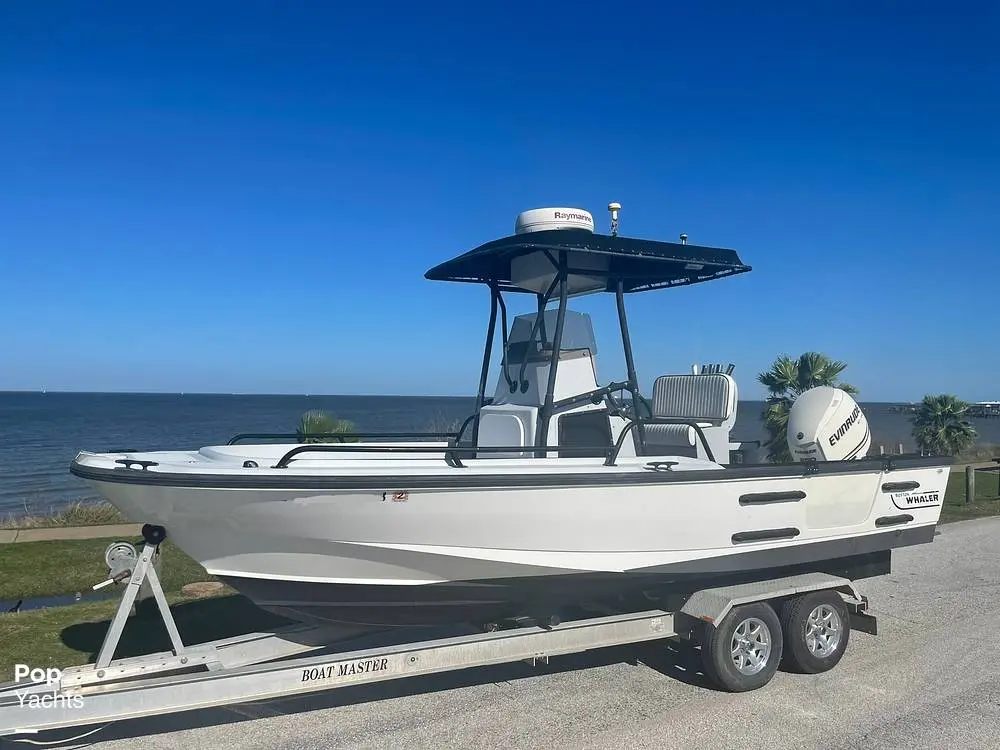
<point x="641" y="264"/>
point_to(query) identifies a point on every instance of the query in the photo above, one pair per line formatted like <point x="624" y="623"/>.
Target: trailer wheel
<point x="743" y="651"/>
<point x="816" y="627"/>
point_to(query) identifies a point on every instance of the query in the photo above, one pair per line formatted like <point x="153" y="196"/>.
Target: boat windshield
<point x="578" y="333"/>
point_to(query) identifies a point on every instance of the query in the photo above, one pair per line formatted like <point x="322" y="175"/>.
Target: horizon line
<point x="46" y="391"/>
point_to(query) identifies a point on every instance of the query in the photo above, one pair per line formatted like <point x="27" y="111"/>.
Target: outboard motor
<point x="826" y="424"/>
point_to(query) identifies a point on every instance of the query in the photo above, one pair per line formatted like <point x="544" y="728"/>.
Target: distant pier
<point x="978" y="410"/>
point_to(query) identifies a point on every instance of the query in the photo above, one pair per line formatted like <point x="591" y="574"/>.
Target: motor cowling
<point x="826" y="424"/>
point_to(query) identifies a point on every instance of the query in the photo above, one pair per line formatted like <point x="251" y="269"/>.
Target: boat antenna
<point x="614" y="208"/>
<point x="684" y="238"/>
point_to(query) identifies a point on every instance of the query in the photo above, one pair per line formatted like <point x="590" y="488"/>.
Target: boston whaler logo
<point x="346" y="669"/>
<point x="848" y="424"/>
<point x="904" y="500"/>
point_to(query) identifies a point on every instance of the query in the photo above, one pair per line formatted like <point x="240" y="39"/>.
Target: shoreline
<point x="63" y="533"/>
<point x="75" y="514"/>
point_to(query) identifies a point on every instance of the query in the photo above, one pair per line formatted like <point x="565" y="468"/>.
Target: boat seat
<point x="708" y="400"/>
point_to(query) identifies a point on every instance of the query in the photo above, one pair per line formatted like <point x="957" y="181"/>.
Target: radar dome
<point x="544" y="219"/>
<point x="826" y="424"/>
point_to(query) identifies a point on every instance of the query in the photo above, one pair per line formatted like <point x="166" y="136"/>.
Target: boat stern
<point x="917" y="494"/>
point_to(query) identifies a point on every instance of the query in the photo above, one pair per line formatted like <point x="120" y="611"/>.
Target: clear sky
<point x="244" y="196"/>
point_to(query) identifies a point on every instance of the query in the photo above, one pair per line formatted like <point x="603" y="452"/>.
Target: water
<point x="41" y="432"/>
<point x="61" y="600"/>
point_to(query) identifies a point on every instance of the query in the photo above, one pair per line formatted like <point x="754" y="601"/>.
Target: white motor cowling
<point x="826" y="424"/>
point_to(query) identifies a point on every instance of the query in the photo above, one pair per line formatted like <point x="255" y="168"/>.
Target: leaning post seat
<point x="708" y="399"/>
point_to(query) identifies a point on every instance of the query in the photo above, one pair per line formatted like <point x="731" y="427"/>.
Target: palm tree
<point x="315" y="424"/>
<point x="786" y="380"/>
<point x="940" y="427"/>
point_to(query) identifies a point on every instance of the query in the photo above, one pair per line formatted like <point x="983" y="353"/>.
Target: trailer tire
<point x="743" y="651"/>
<point x="817" y="628"/>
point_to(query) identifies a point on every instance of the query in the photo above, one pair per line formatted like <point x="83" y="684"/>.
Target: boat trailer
<point x="744" y="631"/>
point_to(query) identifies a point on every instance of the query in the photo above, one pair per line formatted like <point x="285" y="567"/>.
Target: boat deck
<point x="421" y="458"/>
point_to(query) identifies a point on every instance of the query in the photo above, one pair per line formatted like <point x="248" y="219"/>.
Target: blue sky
<point x="244" y="197"/>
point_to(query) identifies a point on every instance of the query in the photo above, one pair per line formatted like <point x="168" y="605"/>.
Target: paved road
<point x="929" y="680"/>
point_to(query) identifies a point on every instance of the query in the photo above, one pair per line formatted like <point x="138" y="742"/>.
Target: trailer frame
<point x="302" y="659"/>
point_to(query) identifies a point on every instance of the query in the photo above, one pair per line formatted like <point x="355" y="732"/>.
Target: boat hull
<point x="494" y="600"/>
<point x="470" y="546"/>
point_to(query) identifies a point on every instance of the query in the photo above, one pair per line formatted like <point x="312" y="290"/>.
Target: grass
<point x="71" y="636"/>
<point x="79" y="513"/>
<point x="986" y="502"/>
<point x="36" y="569"/>
<point x="440" y="423"/>
<point x="979" y="453"/>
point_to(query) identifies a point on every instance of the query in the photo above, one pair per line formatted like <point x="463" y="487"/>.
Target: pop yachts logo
<point x="44" y="691"/>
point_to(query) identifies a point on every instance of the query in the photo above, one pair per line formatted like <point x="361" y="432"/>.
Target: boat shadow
<point x="223" y="617"/>
<point x="198" y="621"/>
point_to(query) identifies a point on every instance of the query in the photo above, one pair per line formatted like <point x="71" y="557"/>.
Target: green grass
<point x="985" y="503"/>
<point x="983" y="452"/>
<point x="69" y="636"/>
<point x="76" y="514"/>
<point x="33" y="569"/>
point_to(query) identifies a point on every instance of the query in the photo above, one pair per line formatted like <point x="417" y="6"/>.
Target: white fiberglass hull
<point x="382" y="542"/>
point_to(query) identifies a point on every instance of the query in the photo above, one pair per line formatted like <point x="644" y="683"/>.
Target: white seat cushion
<point x="701" y="398"/>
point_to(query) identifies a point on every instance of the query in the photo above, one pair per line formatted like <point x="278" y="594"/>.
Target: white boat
<point x="556" y="492"/>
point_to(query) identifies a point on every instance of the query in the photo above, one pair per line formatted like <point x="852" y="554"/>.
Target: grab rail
<point x="346" y="448"/>
<point x="657" y="421"/>
<point x="340" y="436"/>
<point x="450" y="452"/>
